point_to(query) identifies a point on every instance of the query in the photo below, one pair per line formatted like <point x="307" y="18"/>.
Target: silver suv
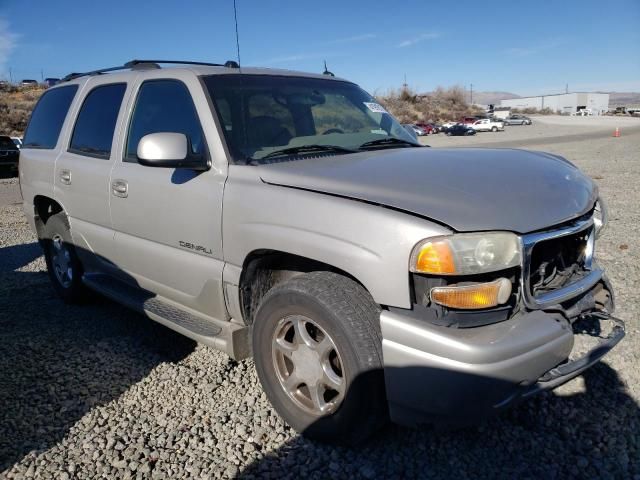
<point x="289" y="217"/>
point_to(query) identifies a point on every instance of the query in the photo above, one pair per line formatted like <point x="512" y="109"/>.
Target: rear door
<point x="81" y="178"/>
<point x="168" y="221"/>
<point x="42" y="143"/>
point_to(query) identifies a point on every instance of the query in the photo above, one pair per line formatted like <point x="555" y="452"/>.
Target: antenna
<point x="327" y="72"/>
<point x="235" y="15"/>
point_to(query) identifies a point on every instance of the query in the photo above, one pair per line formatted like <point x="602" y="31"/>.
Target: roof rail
<point x="132" y="64"/>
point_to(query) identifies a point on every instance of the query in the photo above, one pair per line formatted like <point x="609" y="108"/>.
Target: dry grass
<point x="15" y="107"/>
<point x="443" y="104"/>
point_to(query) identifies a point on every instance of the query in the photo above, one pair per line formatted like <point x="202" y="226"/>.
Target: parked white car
<point x="487" y="125"/>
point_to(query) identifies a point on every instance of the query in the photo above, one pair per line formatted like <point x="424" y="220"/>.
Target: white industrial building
<point x="571" y="103"/>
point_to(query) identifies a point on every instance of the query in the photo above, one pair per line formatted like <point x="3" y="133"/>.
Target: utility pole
<point x="471" y="94"/>
<point x="10" y="75"/>
<point x="405" y="85"/>
<point x="566" y="90"/>
<point x="42" y="75"/>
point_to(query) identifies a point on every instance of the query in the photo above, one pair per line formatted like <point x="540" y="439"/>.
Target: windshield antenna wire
<point x="235" y="15"/>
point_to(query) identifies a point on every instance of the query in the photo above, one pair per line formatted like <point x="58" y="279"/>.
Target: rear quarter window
<point x="48" y="116"/>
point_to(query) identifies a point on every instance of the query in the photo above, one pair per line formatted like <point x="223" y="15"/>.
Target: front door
<point x="167" y="221"/>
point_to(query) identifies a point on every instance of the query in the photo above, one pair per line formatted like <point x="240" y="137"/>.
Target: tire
<point x="64" y="267"/>
<point x="329" y="305"/>
<point x="494" y="129"/>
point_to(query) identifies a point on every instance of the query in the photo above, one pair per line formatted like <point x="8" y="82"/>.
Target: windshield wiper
<point x="307" y="149"/>
<point x="389" y="141"/>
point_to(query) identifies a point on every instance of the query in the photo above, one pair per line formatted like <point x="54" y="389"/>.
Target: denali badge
<point x="197" y="248"/>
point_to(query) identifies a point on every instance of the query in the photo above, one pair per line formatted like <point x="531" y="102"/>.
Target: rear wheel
<point x="318" y="353"/>
<point x="64" y="267"/>
<point x="494" y="129"/>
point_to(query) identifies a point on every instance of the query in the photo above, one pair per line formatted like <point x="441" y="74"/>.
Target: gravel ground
<point x="96" y="391"/>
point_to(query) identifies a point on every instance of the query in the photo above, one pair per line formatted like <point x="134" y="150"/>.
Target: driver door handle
<point x="120" y="188"/>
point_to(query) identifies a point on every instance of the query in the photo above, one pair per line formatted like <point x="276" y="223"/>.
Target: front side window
<point x="48" y="116"/>
<point x="164" y="106"/>
<point x="268" y="115"/>
<point x="96" y="123"/>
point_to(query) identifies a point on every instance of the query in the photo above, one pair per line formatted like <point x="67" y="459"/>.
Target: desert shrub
<point x="15" y="108"/>
<point x="443" y="104"/>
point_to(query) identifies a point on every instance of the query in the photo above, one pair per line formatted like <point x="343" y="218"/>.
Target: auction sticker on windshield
<point x="375" y="107"/>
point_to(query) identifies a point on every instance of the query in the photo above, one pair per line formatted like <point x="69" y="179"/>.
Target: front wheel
<point x="318" y="353"/>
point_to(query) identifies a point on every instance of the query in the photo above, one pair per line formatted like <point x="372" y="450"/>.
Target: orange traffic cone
<point x="616" y="133"/>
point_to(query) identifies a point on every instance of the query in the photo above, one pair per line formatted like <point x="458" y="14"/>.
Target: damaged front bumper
<point x="436" y="373"/>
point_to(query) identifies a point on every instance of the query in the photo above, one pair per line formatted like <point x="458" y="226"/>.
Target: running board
<point x="228" y="337"/>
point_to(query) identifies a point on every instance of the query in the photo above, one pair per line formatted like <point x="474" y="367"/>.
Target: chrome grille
<point x="584" y="275"/>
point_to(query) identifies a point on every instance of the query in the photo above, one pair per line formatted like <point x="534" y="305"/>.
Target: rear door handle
<point x="120" y="188"/>
<point x="65" y="177"/>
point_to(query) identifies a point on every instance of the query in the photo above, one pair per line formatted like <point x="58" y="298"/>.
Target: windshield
<point x="263" y="114"/>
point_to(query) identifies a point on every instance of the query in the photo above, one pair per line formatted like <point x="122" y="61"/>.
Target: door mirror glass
<point x="169" y="150"/>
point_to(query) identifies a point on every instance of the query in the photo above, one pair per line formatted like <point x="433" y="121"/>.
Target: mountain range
<point x="615" y="98"/>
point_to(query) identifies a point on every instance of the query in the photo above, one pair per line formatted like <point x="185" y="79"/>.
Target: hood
<point x="468" y="189"/>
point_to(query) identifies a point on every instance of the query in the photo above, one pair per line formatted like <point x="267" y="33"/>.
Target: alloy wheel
<point x="61" y="261"/>
<point x="308" y="365"/>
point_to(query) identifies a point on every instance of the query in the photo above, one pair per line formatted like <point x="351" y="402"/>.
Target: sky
<point x="523" y="47"/>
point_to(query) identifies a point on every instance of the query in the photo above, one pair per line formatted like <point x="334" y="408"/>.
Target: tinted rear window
<point x="96" y="122"/>
<point x="48" y="116"/>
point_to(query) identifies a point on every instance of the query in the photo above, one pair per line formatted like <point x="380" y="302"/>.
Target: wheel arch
<point x="43" y="208"/>
<point x="263" y="269"/>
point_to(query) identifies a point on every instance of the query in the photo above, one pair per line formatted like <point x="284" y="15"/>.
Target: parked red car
<point x="427" y="127"/>
<point x="468" y="120"/>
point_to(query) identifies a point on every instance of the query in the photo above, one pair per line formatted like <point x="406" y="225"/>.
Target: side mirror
<point x="169" y="150"/>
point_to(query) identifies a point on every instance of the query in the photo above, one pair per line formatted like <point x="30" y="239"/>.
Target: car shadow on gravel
<point x="57" y="361"/>
<point x="589" y="434"/>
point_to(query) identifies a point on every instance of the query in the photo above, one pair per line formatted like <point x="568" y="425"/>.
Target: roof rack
<point x="143" y="64"/>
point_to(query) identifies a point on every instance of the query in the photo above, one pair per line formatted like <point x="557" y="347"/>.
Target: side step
<point x="231" y="338"/>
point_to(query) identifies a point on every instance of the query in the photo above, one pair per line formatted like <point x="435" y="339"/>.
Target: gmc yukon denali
<point x="287" y="216"/>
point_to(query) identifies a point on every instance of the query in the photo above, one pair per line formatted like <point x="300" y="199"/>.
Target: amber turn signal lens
<point x="475" y="296"/>
<point x="435" y="257"/>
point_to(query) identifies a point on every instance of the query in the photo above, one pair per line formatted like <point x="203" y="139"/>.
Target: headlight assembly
<point x="600" y="217"/>
<point x="467" y="253"/>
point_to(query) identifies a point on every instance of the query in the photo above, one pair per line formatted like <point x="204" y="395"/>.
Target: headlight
<point x="466" y="253"/>
<point x="600" y="217"/>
